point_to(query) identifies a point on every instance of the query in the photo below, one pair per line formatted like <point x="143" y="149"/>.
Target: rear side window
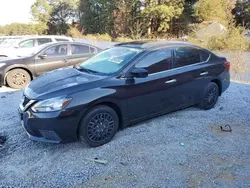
<point x="188" y="56"/>
<point x="43" y="41"/>
<point x="157" y="61"/>
<point x="204" y="55"/>
<point x="79" y="49"/>
<point x="27" y="44"/>
<point x="93" y="50"/>
<point x="61" y="40"/>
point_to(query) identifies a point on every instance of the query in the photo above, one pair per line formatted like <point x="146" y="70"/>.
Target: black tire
<point x="18" y="78"/>
<point x="210" y="96"/>
<point x="98" y="126"/>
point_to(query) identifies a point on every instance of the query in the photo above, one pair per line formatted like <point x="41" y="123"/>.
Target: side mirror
<point x="43" y="56"/>
<point x="139" y="73"/>
<point x="16" y="46"/>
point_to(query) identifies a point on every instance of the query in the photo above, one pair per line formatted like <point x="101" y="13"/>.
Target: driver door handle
<point x="204" y="73"/>
<point x="171" y="81"/>
<point x="65" y="60"/>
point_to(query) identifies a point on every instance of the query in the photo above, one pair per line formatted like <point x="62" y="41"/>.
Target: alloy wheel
<point x="211" y="96"/>
<point x="100" y="127"/>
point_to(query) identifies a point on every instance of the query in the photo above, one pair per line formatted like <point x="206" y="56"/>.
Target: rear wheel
<point x="18" y="78"/>
<point x="210" y="96"/>
<point x="99" y="126"/>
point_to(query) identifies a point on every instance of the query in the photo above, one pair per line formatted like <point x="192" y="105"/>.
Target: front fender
<point x="92" y="96"/>
<point x="85" y="100"/>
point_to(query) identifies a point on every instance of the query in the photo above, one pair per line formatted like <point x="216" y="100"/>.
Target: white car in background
<point x="18" y="45"/>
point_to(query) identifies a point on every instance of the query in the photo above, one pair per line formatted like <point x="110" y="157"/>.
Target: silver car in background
<point x="12" y="46"/>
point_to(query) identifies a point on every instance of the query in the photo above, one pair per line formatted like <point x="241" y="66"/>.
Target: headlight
<point x="2" y="64"/>
<point x="51" y="105"/>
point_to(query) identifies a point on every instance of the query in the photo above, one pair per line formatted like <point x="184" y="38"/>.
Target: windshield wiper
<point x="84" y="69"/>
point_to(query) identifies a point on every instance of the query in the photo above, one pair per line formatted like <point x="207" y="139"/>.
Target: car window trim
<point x="123" y="74"/>
<point x="190" y="48"/>
<point x="172" y="56"/>
<point x="37" y="43"/>
<point x="174" y="69"/>
<point x="19" y="43"/>
<point x="130" y="67"/>
<point x="46" y="48"/>
<point x="71" y="54"/>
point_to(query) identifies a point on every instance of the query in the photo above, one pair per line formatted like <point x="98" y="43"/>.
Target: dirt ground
<point x="181" y="149"/>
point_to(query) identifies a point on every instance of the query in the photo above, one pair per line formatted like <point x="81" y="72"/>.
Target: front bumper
<point x="51" y="127"/>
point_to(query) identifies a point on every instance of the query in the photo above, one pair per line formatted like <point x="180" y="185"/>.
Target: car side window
<point x="79" y="49"/>
<point x="43" y="41"/>
<point x="59" y="50"/>
<point x="204" y="55"/>
<point x="93" y="50"/>
<point x="157" y="61"/>
<point x="61" y="40"/>
<point x="27" y="44"/>
<point x="187" y="56"/>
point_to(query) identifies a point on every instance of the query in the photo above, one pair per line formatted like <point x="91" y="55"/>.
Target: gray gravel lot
<point x="148" y="154"/>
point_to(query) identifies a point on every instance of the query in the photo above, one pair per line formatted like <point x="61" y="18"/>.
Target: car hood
<point x="12" y="59"/>
<point x="60" y="82"/>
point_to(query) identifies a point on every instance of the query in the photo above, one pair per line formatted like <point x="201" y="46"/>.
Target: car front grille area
<point x="26" y="102"/>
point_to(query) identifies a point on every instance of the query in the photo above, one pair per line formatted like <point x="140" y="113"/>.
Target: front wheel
<point x="18" y="78"/>
<point x="99" y="126"/>
<point x="210" y="96"/>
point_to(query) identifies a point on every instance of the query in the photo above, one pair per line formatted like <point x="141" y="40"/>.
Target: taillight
<point x="227" y="65"/>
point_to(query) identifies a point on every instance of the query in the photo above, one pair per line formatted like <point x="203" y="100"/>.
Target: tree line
<point x="130" y="18"/>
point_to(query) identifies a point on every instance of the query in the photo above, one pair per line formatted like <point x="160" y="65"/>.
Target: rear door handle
<point x="171" y="81"/>
<point x="204" y="73"/>
<point x="65" y="61"/>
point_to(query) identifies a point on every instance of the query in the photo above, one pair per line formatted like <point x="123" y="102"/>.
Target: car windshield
<point x="110" y="60"/>
<point x="8" y="43"/>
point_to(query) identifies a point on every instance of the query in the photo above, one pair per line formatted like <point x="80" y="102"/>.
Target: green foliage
<point x="159" y="13"/>
<point x="242" y="13"/>
<point x="21" y="29"/>
<point x="123" y="39"/>
<point x="53" y="15"/>
<point x="96" y="16"/>
<point x="210" y="10"/>
<point x="41" y="11"/>
<point x="232" y="40"/>
<point x="126" y="20"/>
<point x="75" y="33"/>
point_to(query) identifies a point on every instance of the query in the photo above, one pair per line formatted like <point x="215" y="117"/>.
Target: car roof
<point x="154" y="44"/>
<point x="68" y="42"/>
<point x="34" y="36"/>
<point x="45" y="36"/>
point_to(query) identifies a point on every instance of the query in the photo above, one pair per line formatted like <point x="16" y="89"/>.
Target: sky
<point x="15" y="11"/>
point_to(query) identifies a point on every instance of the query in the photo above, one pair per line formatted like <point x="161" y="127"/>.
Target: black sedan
<point x="120" y="86"/>
<point x="18" y="72"/>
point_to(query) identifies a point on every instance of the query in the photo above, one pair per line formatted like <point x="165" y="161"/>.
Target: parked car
<point x="120" y="86"/>
<point x="18" y="72"/>
<point x="13" y="46"/>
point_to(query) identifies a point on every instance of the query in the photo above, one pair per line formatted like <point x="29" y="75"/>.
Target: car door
<point x="51" y="58"/>
<point x="191" y="74"/>
<point x="79" y="53"/>
<point x="154" y="94"/>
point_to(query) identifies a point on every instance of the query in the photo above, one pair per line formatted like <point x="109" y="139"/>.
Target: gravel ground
<point x="149" y="154"/>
